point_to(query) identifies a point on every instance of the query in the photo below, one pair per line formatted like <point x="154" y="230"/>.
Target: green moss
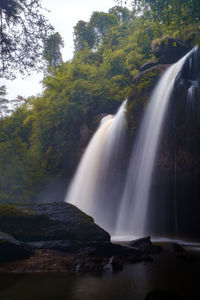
<point x="138" y="96"/>
<point x="20" y="222"/>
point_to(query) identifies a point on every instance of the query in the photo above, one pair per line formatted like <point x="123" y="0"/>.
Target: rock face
<point x="11" y="249"/>
<point x="51" y="225"/>
<point x="175" y="190"/>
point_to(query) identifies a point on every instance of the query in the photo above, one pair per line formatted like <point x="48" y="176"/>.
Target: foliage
<point x="175" y="15"/>
<point x="23" y="31"/>
<point x="43" y="140"/>
<point x="52" y="52"/>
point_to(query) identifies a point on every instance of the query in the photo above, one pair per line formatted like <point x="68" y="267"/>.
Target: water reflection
<point x="134" y="282"/>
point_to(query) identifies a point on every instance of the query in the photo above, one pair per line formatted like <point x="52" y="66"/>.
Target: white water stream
<point x="134" y="205"/>
<point x="95" y="188"/>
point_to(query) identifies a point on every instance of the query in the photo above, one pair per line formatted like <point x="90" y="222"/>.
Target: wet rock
<point x="115" y="264"/>
<point x="11" y="249"/>
<point x="174" y="247"/>
<point x="145" y="246"/>
<point x="139" y="242"/>
<point x="89" y="265"/>
<point x="108" y="250"/>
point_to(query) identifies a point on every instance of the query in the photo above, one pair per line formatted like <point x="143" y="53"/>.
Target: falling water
<point x="134" y="205"/>
<point x="97" y="181"/>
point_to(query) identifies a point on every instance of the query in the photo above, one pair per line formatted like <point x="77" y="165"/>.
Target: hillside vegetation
<point x="43" y="139"/>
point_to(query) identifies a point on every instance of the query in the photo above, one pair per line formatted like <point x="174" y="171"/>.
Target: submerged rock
<point x="11" y="249"/>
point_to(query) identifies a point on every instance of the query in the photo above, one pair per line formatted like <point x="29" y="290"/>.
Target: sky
<point x="63" y="15"/>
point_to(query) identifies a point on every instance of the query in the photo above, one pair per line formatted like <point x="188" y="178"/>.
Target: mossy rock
<point x="48" y="222"/>
<point x="169" y="45"/>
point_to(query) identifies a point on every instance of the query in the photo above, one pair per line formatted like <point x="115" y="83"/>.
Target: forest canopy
<point x="42" y="141"/>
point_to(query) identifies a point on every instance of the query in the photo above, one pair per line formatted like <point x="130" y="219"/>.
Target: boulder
<point x="11" y="249"/>
<point x="169" y="46"/>
<point x="144" y="245"/>
<point x="167" y="50"/>
<point x="140" y="242"/>
<point x="51" y="225"/>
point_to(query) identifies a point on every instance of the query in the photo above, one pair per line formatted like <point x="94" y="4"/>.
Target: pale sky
<point x="63" y="15"/>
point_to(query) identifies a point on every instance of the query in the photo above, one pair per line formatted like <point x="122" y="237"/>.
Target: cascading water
<point x="134" y="205"/>
<point x="96" y="187"/>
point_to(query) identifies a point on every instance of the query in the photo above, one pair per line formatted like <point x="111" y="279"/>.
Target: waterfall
<point x="97" y="184"/>
<point x="134" y="205"/>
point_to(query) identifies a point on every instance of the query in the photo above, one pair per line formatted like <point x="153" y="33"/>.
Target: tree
<point x="101" y="23"/>
<point x="91" y="34"/>
<point x="4" y="109"/>
<point x="52" y="52"/>
<point x="171" y="13"/>
<point x="83" y="36"/>
<point x="123" y="14"/>
<point x="23" y="32"/>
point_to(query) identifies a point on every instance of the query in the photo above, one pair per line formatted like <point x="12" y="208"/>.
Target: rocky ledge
<point x="59" y="232"/>
<point x="48" y="225"/>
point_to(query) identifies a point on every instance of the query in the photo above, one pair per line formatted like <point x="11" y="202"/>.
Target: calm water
<point x="133" y="283"/>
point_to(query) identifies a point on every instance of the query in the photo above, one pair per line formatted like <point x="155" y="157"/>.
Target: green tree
<point x="172" y="13"/>
<point x="83" y="36"/>
<point x="101" y="23"/>
<point x="23" y="31"/>
<point x="4" y="109"/>
<point x="52" y="51"/>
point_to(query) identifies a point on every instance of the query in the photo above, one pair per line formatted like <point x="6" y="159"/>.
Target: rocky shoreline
<point x="58" y="237"/>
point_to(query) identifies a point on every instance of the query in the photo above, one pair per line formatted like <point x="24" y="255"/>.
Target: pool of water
<point x="133" y="283"/>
